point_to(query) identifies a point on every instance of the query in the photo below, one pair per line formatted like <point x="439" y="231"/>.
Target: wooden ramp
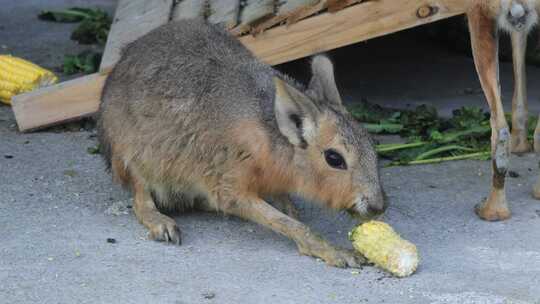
<point x="275" y="31"/>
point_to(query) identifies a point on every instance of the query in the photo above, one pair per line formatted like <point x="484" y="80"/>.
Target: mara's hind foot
<point x="494" y="208"/>
<point x="160" y="226"/>
<point x="163" y="228"/>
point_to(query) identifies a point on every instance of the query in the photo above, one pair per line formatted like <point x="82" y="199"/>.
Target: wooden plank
<point x="337" y="5"/>
<point x="59" y="103"/>
<point x="188" y="9"/>
<point x="224" y="12"/>
<point x="253" y="11"/>
<point x="81" y="97"/>
<point x="133" y="19"/>
<point x="283" y="12"/>
<point x="356" y="23"/>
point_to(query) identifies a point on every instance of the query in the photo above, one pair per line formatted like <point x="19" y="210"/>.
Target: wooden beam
<point x="133" y="19"/>
<point x="66" y="101"/>
<point x="356" y="23"/>
<point x="81" y="97"/>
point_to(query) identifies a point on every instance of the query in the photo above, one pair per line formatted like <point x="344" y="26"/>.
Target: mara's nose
<point x="378" y="207"/>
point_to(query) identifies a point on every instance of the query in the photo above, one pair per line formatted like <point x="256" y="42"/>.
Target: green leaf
<point x="387" y="128"/>
<point x="68" y="16"/>
<point x="86" y="62"/>
<point x="94" y="23"/>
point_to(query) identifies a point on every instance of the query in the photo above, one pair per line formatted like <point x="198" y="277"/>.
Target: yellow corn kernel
<point x="5" y="96"/>
<point x="381" y="245"/>
<point x="45" y="77"/>
<point x="8" y="86"/>
<point x="18" y="76"/>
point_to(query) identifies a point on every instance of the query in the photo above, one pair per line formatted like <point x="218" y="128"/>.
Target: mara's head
<point x="335" y="162"/>
<point x="516" y="15"/>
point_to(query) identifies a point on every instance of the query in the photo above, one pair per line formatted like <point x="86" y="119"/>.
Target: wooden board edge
<point x="328" y="31"/>
<point x="58" y="103"/>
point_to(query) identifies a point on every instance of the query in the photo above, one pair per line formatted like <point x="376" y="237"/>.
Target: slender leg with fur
<point x="484" y="40"/>
<point x="160" y="226"/>
<point x="519" y="142"/>
<point x="309" y="243"/>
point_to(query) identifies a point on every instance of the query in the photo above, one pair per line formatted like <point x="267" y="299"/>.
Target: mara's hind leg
<point x="160" y="226"/>
<point x="519" y="142"/>
<point x="484" y="41"/>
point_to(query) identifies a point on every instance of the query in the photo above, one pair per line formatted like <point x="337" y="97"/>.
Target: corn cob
<point x="380" y="244"/>
<point x="18" y="76"/>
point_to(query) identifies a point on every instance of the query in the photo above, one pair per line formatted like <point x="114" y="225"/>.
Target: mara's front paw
<point x="343" y="258"/>
<point x="336" y="257"/>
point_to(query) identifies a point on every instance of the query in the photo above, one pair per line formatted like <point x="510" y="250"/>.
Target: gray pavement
<point x="58" y="207"/>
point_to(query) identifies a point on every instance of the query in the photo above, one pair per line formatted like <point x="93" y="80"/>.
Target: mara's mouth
<point x="363" y="217"/>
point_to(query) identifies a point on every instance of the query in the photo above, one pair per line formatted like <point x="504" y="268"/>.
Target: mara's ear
<point x="295" y="113"/>
<point x="323" y="84"/>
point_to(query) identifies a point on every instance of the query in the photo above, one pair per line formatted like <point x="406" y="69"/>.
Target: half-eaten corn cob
<point x="18" y="76"/>
<point x="380" y="244"/>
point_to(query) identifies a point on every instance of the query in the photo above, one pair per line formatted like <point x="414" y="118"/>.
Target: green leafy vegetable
<point x="74" y="14"/>
<point x="94" y="23"/>
<point x="429" y="138"/>
<point x="86" y="62"/>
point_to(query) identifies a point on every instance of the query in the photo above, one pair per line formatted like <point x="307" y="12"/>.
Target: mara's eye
<point x="335" y="160"/>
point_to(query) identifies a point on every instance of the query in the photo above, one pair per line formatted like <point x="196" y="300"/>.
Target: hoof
<point x="520" y="146"/>
<point x="492" y="212"/>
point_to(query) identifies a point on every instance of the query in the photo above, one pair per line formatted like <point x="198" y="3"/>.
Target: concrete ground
<point x="69" y="236"/>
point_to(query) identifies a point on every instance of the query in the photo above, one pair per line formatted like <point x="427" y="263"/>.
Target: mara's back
<point x="177" y="89"/>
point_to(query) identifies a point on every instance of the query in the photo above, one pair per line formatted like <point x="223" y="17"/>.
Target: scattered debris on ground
<point x="119" y="208"/>
<point x="93" y="150"/>
<point x="209" y="295"/>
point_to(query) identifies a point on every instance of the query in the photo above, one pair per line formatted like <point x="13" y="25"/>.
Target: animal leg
<point x="161" y="227"/>
<point x="519" y="143"/>
<point x="309" y="243"/>
<point x="484" y="41"/>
